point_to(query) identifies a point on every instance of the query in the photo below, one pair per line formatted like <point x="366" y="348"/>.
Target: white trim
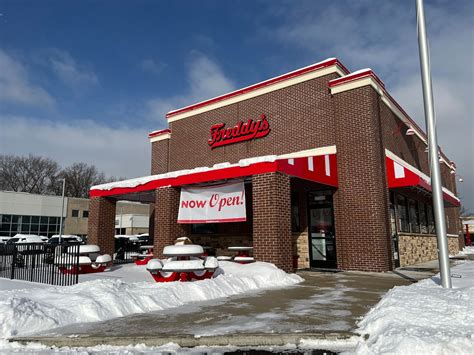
<point x="425" y="177"/>
<point x="453" y="235"/>
<point x="291" y="161"/>
<point x="310" y="164"/>
<point x="310" y="152"/>
<point x="370" y="80"/>
<point x="257" y="92"/>
<point x="357" y="83"/>
<point x="160" y="137"/>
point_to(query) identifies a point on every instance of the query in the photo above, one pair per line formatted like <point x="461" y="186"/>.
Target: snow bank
<point x="28" y="311"/>
<point x="423" y="318"/>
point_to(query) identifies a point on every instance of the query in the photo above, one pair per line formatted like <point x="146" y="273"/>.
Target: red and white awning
<point x="317" y="165"/>
<point x="402" y="174"/>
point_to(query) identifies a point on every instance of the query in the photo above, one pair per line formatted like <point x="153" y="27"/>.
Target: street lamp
<point x="62" y="212"/>
<point x="436" y="184"/>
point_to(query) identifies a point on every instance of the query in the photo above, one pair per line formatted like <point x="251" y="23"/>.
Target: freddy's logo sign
<point x="240" y="132"/>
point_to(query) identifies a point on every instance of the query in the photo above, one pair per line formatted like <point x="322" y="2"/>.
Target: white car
<point x="64" y="238"/>
<point x="25" y="238"/>
<point x="4" y="240"/>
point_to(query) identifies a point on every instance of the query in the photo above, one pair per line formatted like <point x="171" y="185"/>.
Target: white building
<point x="26" y="213"/>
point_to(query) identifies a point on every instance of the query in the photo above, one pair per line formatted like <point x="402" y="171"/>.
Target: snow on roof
<point x="145" y="179"/>
<point x="131" y="183"/>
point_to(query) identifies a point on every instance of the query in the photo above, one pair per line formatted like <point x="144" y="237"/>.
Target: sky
<point x="87" y="80"/>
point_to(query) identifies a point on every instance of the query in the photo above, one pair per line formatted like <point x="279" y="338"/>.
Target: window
<point x="85" y="214"/>
<point x="413" y="215"/>
<point x="422" y="217"/>
<point x="430" y="218"/>
<point x="402" y="213"/>
<point x="204" y="228"/>
<point x="75" y="213"/>
<point x="295" y="212"/>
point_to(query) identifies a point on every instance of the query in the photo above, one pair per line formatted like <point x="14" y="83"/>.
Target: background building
<point x="25" y="213"/>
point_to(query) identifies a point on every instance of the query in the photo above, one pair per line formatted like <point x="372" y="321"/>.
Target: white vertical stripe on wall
<point x="291" y="161"/>
<point x="399" y="170"/>
<point x="310" y="164"/>
<point x="327" y="165"/>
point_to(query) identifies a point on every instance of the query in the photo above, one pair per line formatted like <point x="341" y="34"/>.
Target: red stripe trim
<point x="356" y="76"/>
<point x="159" y="133"/>
<point x="262" y="84"/>
<point x="411" y="179"/>
<point x="206" y="176"/>
<point x="299" y="169"/>
<point x="224" y="220"/>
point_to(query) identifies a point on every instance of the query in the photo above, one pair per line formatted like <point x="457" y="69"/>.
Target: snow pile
<point x="467" y="251"/>
<point x="28" y="311"/>
<point x="423" y="318"/>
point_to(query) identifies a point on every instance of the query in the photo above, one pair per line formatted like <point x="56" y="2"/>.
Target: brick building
<point x="335" y="174"/>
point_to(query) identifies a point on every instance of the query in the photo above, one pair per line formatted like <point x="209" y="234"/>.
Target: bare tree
<point x="79" y="179"/>
<point x="33" y="174"/>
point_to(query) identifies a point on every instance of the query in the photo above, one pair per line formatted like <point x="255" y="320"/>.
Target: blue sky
<point x="86" y="80"/>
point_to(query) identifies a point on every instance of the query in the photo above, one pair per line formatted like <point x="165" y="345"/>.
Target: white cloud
<point x="115" y="151"/>
<point x="69" y="72"/>
<point x="152" y="66"/>
<point x="205" y="80"/>
<point x="15" y="85"/>
<point x="384" y="38"/>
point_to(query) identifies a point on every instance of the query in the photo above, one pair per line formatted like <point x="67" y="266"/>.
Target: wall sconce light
<point x="410" y="131"/>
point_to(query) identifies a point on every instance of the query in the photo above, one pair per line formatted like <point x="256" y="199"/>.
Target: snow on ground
<point x="27" y="311"/>
<point x="467" y="251"/>
<point x="423" y="318"/>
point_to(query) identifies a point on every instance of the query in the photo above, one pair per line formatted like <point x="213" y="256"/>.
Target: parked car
<point x="25" y="238"/>
<point x="66" y="238"/>
<point x="3" y="240"/>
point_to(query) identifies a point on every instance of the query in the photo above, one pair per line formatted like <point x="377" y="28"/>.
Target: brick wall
<point x="101" y="224"/>
<point x="167" y="229"/>
<point x="300" y="117"/>
<point x="361" y="200"/>
<point x="419" y="248"/>
<point x="159" y="156"/>
<point x="272" y="240"/>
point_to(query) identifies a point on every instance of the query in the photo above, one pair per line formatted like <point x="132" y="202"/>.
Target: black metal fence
<point x="125" y="249"/>
<point x="43" y="263"/>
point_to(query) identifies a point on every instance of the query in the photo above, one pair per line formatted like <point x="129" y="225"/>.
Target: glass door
<point x="322" y="241"/>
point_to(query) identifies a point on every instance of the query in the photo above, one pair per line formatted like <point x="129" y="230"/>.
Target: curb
<point x="188" y="341"/>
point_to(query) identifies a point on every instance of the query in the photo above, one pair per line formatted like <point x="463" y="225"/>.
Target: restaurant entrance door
<point x="322" y="242"/>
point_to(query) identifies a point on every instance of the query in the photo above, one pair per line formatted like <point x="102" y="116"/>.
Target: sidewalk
<point x="325" y="303"/>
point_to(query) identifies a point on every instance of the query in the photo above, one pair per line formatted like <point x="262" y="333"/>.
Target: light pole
<point x="62" y="212"/>
<point x="436" y="183"/>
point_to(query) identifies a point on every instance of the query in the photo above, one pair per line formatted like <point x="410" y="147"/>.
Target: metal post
<point x="120" y="226"/>
<point x="436" y="183"/>
<point x="62" y="212"/>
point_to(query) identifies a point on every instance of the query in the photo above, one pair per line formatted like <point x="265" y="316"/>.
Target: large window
<point x="402" y="214"/>
<point x="204" y="228"/>
<point x="430" y="218"/>
<point x="422" y="218"/>
<point x="295" y="212"/>
<point x="14" y="224"/>
<point x="413" y="216"/>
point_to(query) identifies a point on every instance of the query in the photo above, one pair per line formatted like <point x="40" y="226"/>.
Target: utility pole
<point x="430" y="119"/>
<point x="62" y="212"/>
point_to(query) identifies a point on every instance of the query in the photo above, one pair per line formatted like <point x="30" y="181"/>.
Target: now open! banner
<point x="213" y="204"/>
